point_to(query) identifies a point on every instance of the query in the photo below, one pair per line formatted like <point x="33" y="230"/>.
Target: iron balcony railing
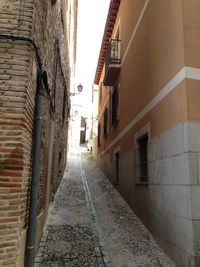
<point x="113" y="56"/>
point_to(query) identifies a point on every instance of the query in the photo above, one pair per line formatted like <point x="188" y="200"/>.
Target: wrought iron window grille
<point x="114" y="56"/>
<point x="143" y="158"/>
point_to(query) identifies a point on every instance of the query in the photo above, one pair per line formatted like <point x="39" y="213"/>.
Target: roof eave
<point x="110" y="22"/>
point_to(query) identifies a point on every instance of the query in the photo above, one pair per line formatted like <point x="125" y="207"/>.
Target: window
<point x="106" y="123"/>
<point x="55" y="72"/>
<point x="99" y="135"/>
<point x="117" y="36"/>
<point x="116" y="174"/>
<point x="53" y="2"/>
<point x="100" y="92"/>
<point x="143" y="158"/>
<point x="115" y="106"/>
<point x="64" y="104"/>
<point x="62" y="18"/>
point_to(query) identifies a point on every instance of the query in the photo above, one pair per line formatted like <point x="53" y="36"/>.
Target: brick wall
<point x="57" y="62"/>
<point x="59" y="151"/>
<point x="15" y="147"/>
<point x="44" y="23"/>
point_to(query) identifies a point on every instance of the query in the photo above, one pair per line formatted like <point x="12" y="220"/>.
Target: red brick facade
<point x="46" y="24"/>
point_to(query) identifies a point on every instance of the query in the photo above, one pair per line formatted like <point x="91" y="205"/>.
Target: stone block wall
<point x="170" y="204"/>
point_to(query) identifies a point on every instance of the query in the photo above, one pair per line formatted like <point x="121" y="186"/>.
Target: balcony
<point x="112" y="63"/>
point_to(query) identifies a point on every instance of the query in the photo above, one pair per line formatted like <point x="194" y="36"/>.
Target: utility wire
<point x="20" y="19"/>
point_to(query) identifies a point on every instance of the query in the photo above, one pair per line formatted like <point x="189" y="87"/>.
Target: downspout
<point x="36" y="149"/>
<point x="32" y="221"/>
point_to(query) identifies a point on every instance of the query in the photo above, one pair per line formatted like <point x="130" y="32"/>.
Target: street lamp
<point x="80" y="89"/>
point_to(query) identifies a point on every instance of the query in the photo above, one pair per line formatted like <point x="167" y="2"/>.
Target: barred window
<point x="106" y="123"/>
<point x="99" y="135"/>
<point x="55" y="72"/>
<point x="143" y="158"/>
<point x="115" y="106"/>
<point x="116" y="171"/>
<point x="53" y="2"/>
<point x="64" y="104"/>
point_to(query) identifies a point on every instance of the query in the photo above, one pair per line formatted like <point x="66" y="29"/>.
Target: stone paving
<point x="89" y="224"/>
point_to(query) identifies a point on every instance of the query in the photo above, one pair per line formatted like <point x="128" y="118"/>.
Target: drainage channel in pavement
<point x="101" y="261"/>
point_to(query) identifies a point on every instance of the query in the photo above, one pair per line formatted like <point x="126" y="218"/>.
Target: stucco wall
<point x="159" y="87"/>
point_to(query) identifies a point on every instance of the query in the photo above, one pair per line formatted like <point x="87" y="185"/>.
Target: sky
<point x="91" y="22"/>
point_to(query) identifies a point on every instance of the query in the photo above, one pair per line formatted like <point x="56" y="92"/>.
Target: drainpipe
<point x="39" y="110"/>
<point x="32" y="221"/>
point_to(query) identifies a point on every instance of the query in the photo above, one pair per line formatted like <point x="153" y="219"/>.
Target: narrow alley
<point x="89" y="224"/>
<point x="99" y="133"/>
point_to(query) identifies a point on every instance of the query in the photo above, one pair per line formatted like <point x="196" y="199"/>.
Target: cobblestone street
<point x="89" y="224"/>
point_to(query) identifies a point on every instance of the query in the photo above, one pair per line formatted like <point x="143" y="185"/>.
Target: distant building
<point x="75" y="121"/>
<point x="95" y="97"/>
<point x="37" y="51"/>
<point x="83" y="130"/>
<point x="148" y="144"/>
